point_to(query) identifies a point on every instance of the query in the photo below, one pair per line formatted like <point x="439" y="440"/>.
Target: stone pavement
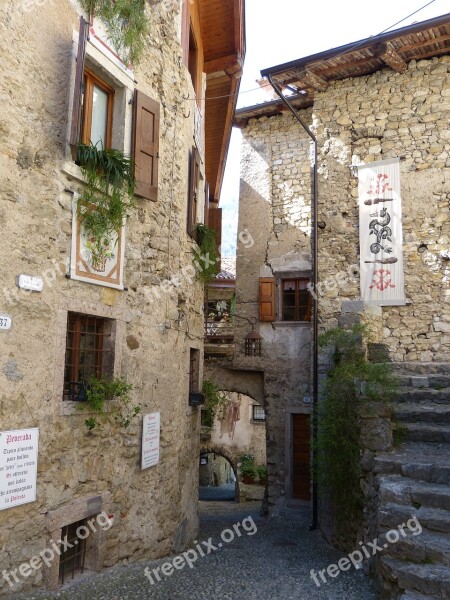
<point x="273" y="563"/>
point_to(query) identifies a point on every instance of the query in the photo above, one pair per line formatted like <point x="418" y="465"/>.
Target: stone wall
<point x="249" y="437"/>
<point x="155" y="510"/>
<point x="274" y="208"/>
<point x="362" y="119"/>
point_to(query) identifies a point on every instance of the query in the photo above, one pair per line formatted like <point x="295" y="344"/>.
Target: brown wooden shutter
<point x="215" y="223"/>
<point x="267" y="299"/>
<point x="194" y="177"/>
<point x="185" y="28"/>
<point x="146" y="145"/>
<point x="78" y="88"/>
<point x="206" y="217"/>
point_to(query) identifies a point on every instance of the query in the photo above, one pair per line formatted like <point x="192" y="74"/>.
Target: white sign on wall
<point x="5" y="322"/>
<point x="18" y="467"/>
<point x="30" y="283"/>
<point x="151" y="440"/>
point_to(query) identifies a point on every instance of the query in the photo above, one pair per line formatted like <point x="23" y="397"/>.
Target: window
<point x="88" y="353"/>
<point x="193" y="60"/>
<point x="105" y="108"/>
<point x="72" y="558"/>
<point x="258" y="413"/>
<point x="194" y="371"/>
<point x="194" y="184"/>
<point x="296" y="300"/>
<point x="97" y="111"/>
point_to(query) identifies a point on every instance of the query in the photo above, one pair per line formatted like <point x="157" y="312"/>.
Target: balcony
<point x="219" y="337"/>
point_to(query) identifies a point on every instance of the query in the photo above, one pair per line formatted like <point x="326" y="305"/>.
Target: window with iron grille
<point x="296" y="300"/>
<point x="258" y="413"/>
<point x="194" y="370"/>
<point x="88" y="353"/>
<point x="72" y="558"/>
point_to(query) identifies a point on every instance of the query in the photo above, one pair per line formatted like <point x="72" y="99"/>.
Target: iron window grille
<point x="258" y="413"/>
<point x="72" y="558"/>
<point x="86" y="353"/>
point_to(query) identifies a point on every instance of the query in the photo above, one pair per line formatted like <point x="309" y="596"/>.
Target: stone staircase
<point x="414" y="486"/>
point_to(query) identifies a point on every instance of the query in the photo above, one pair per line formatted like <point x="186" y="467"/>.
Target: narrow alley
<point x="271" y="559"/>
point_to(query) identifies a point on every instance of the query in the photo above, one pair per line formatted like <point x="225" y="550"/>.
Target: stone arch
<point x="208" y="448"/>
<point x="248" y="383"/>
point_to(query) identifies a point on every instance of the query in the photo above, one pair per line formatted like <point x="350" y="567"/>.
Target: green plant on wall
<point x="338" y="453"/>
<point x="127" y="25"/>
<point x="108" y="197"/>
<point x="214" y="400"/>
<point x="205" y="257"/>
<point x="101" y="392"/>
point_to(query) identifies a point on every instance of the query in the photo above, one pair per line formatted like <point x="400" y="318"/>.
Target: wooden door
<point x="301" y="466"/>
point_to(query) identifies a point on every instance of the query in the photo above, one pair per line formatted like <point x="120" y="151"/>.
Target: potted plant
<point x="262" y="474"/>
<point x="248" y="468"/>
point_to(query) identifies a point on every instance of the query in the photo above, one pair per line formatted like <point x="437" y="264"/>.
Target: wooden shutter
<point x="146" y="145"/>
<point x="215" y="223"/>
<point x="267" y="299"/>
<point x="78" y="88"/>
<point x="194" y="179"/>
<point x="185" y="28"/>
<point x="206" y="216"/>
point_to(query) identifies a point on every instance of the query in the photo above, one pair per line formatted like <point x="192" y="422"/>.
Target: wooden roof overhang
<point x="394" y="50"/>
<point x="223" y="37"/>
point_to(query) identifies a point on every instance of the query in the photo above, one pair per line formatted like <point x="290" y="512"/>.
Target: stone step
<point x="423" y="548"/>
<point x="427" y="432"/>
<point x="431" y="580"/>
<point x="391" y="515"/>
<point x="436" y="382"/>
<point x="408" y="595"/>
<point x="400" y="490"/>
<point x="428" y="462"/>
<point x="420" y="368"/>
<point x="428" y="395"/>
<point x="437" y="413"/>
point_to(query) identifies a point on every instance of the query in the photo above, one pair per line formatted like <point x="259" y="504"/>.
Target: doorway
<point x="301" y="457"/>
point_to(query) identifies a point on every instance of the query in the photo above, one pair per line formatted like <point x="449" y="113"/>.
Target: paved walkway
<point x="270" y="560"/>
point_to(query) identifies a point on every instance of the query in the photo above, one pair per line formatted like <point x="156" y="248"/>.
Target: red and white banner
<point x="380" y="233"/>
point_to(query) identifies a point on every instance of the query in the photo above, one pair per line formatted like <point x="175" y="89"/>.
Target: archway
<point x="218" y="469"/>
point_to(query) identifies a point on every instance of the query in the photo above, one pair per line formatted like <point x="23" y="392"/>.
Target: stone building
<point x="131" y="309"/>
<point x="390" y="102"/>
<point x="362" y="107"/>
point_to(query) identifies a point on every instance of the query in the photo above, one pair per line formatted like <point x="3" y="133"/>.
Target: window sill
<point x="291" y="323"/>
<point x="73" y="171"/>
<point x="259" y="422"/>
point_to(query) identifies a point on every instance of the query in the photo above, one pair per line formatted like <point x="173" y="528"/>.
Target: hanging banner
<point x="380" y="233"/>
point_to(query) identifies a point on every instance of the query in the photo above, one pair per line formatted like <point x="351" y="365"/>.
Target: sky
<point x="284" y="30"/>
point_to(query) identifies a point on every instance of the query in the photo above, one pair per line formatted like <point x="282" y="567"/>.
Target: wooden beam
<point x="221" y="64"/>
<point x="420" y="43"/>
<point x="391" y="57"/>
<point x="305" y="79"/>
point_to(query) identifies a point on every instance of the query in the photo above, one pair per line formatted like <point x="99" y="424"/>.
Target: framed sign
<point x="18" y="467"/>
<point x="151" y="440"/>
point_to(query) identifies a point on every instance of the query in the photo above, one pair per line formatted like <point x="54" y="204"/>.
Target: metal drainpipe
<point x="315" y="276"/>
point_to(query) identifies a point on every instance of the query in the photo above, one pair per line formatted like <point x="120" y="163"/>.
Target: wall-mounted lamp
<point x="253" y="343"/>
